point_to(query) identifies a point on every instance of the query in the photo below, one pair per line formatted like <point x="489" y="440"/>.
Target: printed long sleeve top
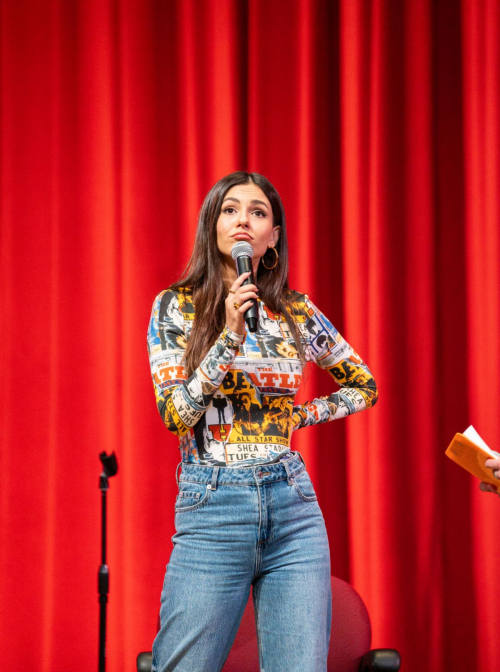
<point x="238" y="408"/>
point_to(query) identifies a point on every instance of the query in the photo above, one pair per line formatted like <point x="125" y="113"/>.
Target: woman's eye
<point x="230" y="210"/>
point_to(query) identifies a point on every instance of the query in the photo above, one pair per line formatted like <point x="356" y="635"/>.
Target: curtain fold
<point x="378" y="122"/>
<point x="481" y="133"/>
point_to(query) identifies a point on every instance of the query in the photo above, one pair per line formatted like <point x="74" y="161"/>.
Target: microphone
<point x="242" y="253"/>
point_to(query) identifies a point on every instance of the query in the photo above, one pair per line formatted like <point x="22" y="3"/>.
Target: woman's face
<point x="246" y="214"/>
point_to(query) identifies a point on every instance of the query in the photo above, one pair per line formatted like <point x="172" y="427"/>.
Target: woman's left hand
<point x="491" y="463"/>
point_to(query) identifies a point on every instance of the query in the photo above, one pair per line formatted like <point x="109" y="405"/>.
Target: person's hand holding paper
<point x="473" y="454"/>
<point x="495" y="465"/>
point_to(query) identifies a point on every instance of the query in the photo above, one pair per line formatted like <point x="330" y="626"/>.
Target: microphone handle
<point x="243" y="265"/>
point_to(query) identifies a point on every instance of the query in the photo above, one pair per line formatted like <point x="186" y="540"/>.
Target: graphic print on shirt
<point x="238" y="408"/>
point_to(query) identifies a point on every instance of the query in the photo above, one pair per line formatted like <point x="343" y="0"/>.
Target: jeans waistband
<point x="287" y="468"/>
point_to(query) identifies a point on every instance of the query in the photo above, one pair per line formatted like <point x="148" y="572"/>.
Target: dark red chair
<point x="349" y="642"/>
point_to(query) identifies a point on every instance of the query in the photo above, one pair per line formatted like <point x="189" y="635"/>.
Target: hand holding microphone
<point x="241" y="302"/>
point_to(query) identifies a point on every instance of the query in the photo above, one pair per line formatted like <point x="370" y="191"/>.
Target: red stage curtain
<point x="378" y="122"/>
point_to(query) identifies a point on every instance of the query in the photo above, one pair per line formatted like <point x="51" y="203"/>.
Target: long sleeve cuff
<point x="230" y="338"/>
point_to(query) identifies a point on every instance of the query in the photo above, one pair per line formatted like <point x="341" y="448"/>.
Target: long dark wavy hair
<point x="203" y="273"/>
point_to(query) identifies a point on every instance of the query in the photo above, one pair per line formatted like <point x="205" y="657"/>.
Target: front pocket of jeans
<point x="303" y="484"/>
<point x="191" y="496"/>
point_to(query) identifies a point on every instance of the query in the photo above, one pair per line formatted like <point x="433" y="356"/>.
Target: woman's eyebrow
<point x="254" y="200"/>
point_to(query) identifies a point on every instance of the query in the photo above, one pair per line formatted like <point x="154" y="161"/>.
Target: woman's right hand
<point x="240" y="296"/>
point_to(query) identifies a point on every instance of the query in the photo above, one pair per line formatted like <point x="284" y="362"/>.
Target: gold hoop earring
<point x="270" y="268"/>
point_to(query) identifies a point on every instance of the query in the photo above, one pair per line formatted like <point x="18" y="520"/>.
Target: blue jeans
<point x="237" y="527"/>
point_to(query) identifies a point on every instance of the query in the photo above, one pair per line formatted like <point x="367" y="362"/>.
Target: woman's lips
<point x="242" y="236"/>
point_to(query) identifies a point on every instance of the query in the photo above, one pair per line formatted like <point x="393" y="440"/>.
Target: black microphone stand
<point x="110" y="468"/>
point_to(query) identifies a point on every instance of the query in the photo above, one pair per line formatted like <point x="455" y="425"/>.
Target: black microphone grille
<point x="242" y="249"/>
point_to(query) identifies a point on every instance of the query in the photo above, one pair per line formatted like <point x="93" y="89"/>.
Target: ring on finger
<point x="232" y="291"/>
<point x="236" y="305"/>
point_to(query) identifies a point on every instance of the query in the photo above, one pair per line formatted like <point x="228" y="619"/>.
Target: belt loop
<point x="177" y="473"/>
<point x="301" y="459"/>
<point x="213" y="482"/>
<point x="289" y="477"/>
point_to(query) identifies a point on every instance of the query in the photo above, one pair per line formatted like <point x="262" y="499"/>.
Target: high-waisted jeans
<point x="237" y="527"/>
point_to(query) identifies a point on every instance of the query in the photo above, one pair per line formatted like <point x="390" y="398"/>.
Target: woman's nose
<point x="243" y="218"/>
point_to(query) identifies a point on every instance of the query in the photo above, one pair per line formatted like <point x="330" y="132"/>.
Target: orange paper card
<point x="472" y="457"/>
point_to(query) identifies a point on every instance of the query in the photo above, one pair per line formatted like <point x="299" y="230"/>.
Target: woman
<point x="246" y="512"/>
